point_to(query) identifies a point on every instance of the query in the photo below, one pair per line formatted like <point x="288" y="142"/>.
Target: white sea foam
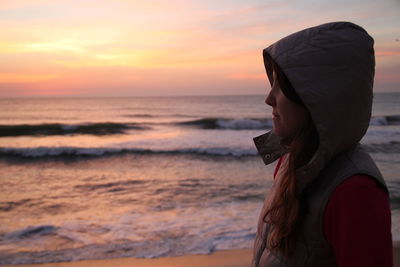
<point x="71" y="128"/>
<point x="155" y="234"/>
<point x="381" y="120"/>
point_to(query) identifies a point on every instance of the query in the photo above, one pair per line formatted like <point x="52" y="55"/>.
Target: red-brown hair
<point x="283" y="213"/>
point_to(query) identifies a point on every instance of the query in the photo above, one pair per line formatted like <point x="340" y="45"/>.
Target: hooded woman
<point x="329" y="204"/>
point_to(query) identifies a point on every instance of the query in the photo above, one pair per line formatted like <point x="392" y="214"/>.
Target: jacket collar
<point x="269" y="147"/>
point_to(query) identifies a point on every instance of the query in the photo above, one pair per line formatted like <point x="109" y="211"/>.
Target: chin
<point x="277" y="132"/>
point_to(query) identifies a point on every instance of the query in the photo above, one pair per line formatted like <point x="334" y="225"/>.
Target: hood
<point x="331" y="67"/>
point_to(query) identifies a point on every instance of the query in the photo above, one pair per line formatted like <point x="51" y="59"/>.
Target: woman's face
<point x="287" y="115"/>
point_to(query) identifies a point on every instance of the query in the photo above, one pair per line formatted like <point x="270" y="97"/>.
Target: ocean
<point x="97" y="178"/>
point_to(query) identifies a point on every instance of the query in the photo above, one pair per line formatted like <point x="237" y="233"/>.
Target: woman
<point x="329" y="203"/>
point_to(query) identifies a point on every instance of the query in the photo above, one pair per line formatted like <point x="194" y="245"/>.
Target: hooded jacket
<point x="331" y="67"/>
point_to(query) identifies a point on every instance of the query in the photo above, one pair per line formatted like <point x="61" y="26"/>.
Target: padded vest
<point x="312" y="249"/>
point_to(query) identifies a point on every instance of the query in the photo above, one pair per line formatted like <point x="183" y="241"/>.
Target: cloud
<point x="25" y="78"/>
<point x="387" y="53"/>
<point x="247" y="76"/>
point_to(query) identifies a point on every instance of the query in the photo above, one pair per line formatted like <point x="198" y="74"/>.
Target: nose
<point x="270" y="99"/>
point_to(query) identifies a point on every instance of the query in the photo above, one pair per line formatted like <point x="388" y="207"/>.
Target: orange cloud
<point x="24" y="78"/>
<point x="10" y="4"/>
<point x="247" y="76"/>
<point x="388" y="76"/>
<point x="386" y="53"/>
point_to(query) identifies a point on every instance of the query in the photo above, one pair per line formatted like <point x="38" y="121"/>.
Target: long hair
<point x="283" y="213"/>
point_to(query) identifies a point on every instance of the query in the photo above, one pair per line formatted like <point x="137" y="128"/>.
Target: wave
<point x="233" y="124"/>
<point x="77" y="152"/>
<point x="106" y="128"/>
<point x="10" y="205"/>
<point x="170" y="245"/>
<point x="385" y="120"/>
<point x="146" y="115"/>
<point x="253" y="124"/>
<point x="139" y="116"/>
<point x="31" y="231"/>
<point x="62" y="152"/>
<point x="391" y="147"/>
<point x="46" y="129"/>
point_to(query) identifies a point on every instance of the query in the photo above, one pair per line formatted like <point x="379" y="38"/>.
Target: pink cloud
<point x="386" y="53"/>
<point x="247" y="76"/>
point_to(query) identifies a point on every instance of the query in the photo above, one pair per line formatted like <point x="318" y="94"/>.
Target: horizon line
<point x="145" y="96"/>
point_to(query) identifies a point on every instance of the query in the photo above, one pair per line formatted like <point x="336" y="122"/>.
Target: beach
<point x="231" y="258"/>
<point x="225" y="258"/>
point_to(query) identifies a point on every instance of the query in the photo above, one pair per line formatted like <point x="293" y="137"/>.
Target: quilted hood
<point x="331" y="67"/>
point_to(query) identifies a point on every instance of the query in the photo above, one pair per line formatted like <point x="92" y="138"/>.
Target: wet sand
<point x="227" y="258"/>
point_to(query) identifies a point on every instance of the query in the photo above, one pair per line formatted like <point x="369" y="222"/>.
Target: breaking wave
<point x="49" y="153"/>
<point x="251" y="124"/>
<point x="57" y="152"/>
<point x="385" y="120"/>
<point x="67" y="129"/>
<point x="107" y="128"/>
<point x="232" y="124"/>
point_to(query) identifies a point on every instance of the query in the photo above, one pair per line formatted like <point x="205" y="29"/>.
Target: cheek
<point x="292" y="118"/>
<point x="297" y="118"/>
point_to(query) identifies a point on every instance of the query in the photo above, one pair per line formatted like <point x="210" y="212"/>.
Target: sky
<point x="118" y="48"/>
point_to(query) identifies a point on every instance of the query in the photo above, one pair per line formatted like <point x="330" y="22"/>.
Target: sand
<point x="396" y="253"/>
<point x="227" y="258"/>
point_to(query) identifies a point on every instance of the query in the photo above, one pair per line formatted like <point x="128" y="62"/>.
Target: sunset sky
<point x="171" y="47"/>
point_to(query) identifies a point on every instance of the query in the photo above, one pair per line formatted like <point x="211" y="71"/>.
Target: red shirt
<point x="357" y="223"/>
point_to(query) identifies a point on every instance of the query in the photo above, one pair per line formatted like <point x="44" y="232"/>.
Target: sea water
<point x="95" y="178"/>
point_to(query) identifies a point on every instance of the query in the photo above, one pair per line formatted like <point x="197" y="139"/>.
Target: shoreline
<point x="221" y="258"/>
